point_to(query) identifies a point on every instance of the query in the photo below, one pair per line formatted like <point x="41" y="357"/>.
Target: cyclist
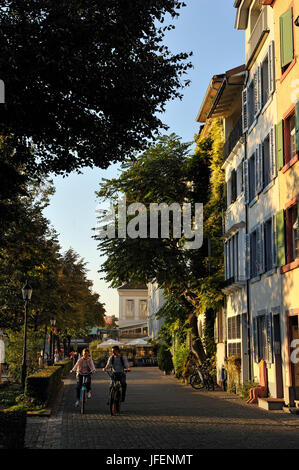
<point x="118" y="363"/>
<point x="84" y="365"/>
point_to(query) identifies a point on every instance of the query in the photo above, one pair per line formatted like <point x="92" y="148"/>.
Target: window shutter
<point x="260" y="249"/>
<point x="255" y="340"/>
<point x="271" y="65"/>
<point x="247" y="255"/>
<point x="286" y="38"/>
<point x="245" y="181"/>
<point x="245" y="110"/>
<point x="260" y="89"/>
<point x="280" y="145"/>
<point x="216" y="329"/>
<point x="297" y="125"/>
<point x="280" y="238"/>
<point x="269" y="332"/>
<point x="259" y="168"/>
<point x="256" y="89"/>
<point x="272" y="141"/>
<point x="274" y="249"/>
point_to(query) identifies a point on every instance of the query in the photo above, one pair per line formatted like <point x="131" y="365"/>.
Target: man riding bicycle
<point x="118" y="363"/>
<point x="83" y="367"/>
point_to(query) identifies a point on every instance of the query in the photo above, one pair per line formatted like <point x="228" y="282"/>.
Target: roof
<point x="212" y="90"/>
<point x="228" y="97"/>
<point x="132" y="285"/>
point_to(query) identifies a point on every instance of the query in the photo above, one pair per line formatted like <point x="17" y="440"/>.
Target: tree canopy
<point x="167" y="172"/>
<point x="85" y="79"/>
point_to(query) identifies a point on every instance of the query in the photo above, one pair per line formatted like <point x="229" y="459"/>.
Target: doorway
<point x="277" y="355"/>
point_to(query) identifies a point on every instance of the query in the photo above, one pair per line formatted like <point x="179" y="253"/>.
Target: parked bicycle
<point x="115" y="392"/>
<point x="83" y="392"/>
<point x="201" y="378"/>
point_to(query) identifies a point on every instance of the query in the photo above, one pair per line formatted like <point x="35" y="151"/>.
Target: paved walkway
<point x="160" y="413"/>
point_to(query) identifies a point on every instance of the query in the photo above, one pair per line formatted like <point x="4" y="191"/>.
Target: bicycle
<point x="115" y="392"/>
<point x="201" y="378"/>
<point x="83" y="392"/>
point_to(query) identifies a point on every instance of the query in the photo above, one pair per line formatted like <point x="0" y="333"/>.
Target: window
<point x="240" y="179"/>
<point x="234" y="327"/>
<point x="142" y="309"/>
<point x="233" y="333"/>
<point x="234" y="349"/>
<point x="292" y="233"/>
<point x="262" y="337"/>
<point x="232" y="258"/>
<point x="265" y="81"/>
<point x="130" y="309"/>
<point x="287" y="234"/>
<point x="287" y="137"/>
<point x="259" y="90"/>
<point x="218" y="327"/>
<point x="286" y="39"/>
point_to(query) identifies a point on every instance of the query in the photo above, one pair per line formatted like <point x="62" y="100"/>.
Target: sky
<point x="205" y="27"/>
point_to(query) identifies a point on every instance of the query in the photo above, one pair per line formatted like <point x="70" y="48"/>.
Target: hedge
<point x="66" y="365"/>
<point x="44" y="385"/>
<point x="12" y="429"/>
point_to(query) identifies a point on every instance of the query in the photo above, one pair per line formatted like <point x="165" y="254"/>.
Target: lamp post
<point x="27" y="293"/>
<point x="52" y="323"/>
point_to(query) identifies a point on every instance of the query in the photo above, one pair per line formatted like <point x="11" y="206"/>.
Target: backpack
<point x="121" y="358"/>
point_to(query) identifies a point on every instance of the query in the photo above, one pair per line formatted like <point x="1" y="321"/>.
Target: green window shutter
<point x="297" y="125"/>
<point x="280" y="238"/>
<point x="279" y="145"/>
<point x="286" y="38"/>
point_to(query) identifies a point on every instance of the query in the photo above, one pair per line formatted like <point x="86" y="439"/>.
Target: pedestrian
<point x="56" y="356"/>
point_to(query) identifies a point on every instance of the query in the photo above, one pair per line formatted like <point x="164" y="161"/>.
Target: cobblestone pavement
<point x="160" y="413"/>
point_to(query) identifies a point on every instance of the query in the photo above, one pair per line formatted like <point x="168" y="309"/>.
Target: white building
<point x="133" y="313"/>
<point x="155" y="302"/>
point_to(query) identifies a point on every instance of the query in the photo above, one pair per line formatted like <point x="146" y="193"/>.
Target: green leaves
<point x="85" y="80"/>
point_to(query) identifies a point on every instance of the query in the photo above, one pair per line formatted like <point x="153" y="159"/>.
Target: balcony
<point x="233" y="284"/>
<point x="233" y="138"/>
<point x="258" y="37"/>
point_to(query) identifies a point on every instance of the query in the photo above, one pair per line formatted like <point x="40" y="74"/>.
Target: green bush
<point x="44" y="385"/>
<point x="12" y="429"/>
<point x="66" y="365"/>
<point x="244" y="389"/>
<point x="8" y="394"/>
<point x="165" y="359"/>
<point x="179" y="359"/>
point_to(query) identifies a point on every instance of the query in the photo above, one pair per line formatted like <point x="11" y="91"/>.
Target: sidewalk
<point x="161" y="413"/>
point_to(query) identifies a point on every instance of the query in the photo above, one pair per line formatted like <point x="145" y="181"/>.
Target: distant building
<point x="133" y="312"/>
<point x="155" y="302"/>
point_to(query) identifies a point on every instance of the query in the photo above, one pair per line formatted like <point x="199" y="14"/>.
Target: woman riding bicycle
<point x="118" y="363"/>
<point x="84" y="366"/>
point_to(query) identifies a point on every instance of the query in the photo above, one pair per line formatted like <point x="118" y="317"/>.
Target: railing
<point x="233" y="138"/>
<point x="260" y="29"/>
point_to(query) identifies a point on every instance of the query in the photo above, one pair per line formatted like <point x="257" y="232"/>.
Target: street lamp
<point x="27" y="293"/>
<point x="52" y="323"/>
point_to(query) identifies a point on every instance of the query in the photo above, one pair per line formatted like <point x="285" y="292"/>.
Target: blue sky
<point x="205" y="27"/>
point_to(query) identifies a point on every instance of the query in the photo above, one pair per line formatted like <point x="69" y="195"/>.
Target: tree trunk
<point x="196" y="344"/>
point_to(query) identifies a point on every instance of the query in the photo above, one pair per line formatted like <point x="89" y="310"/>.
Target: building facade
<point x="133" y="311"/>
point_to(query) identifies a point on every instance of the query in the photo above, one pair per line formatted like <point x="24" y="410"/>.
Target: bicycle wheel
<point x="83" y="398"/>
<point x="117" y="400"/>
<point x="112" y="402"/>
<point x="196" y="382"/>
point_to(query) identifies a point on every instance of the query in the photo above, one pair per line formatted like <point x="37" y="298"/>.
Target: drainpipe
<point x="249" y="351"/>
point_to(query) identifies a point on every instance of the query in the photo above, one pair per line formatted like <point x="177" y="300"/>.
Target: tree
<point x="165" y="172"/>
<point x="85" y="79"/>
